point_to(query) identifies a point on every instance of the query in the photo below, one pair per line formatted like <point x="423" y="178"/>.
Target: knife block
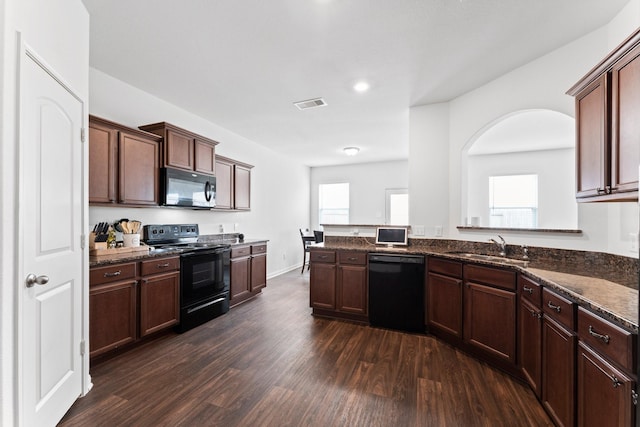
<point x="96" y="245"/>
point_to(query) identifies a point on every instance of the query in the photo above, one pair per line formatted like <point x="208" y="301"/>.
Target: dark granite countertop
<point x="603" y="283"/>
<point x="141" y="256"/>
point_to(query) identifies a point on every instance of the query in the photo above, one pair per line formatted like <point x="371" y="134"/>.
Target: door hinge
<point x="82" y="135"/>
<point x="83" y="240"/>
<point x="82" y="348"/>
<point x="634" y="397"/>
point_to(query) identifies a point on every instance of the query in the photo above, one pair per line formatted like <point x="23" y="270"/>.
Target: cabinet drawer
<point x="112" y="273"/>
<point x="161" y="265"/>
<point x="559" y="308"/>
<point x="491" y="276"/>
<point x="322" y="256"/>
<point x="607" y="339"/>
<point x="445" y="266"/>
<point x="240" y="251"/>
<point x="356" y="258"/>
<point x="530" y="290"/>
<point x="258" y="249"/>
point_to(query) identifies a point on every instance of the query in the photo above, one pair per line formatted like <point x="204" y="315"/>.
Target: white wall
<point x="279" y="185"/>
<point x="58" y="30"/>
<point x="557" y="206"/>
<point x="429" y="193"/>
<point x="539" y="84"/>
<point x="367" y="185"/>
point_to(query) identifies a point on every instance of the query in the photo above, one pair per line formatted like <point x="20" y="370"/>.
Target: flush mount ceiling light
<point x="351" y="151"/>
<point x="361" y="86"/>
<point x="310" y="103"/>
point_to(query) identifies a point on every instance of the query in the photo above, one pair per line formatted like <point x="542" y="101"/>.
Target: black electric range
<point x="204" y="271"/>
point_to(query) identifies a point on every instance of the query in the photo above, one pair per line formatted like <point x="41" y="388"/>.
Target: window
<point x="333" y="203"/>
<point x="397" y="206"/>
<point x="513" y="201"/>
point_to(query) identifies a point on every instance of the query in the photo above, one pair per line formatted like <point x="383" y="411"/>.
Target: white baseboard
<point x="283" y="271"/>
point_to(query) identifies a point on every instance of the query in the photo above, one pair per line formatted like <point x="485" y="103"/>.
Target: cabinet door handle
<point x="352" y="259"/>
<point x="530" y="290"/>
<point x="557" y="308"/>
<point x="604" y="338"/>
<point x="114" y="274"/>
<point x="535" y="313"/>
<point x="606" y="190"/>
<point x="616" y="382"/>
<point x="324" y="257"/>
<point x="165" y="265"/>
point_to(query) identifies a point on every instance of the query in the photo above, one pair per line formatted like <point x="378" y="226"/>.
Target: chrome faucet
<point x="502" y="245"/>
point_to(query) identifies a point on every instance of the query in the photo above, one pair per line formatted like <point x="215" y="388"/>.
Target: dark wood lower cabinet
<point x="112" y="316"/>
<point x="352" y="289"/>
<point x="339" y="284"/>
<point x="130" y="301"/>
<point x="490" y="321"/>
<point x="258" y="272"/>
<point x="159" y="302"/>
<point x="444" y="304"/>
<point x="530" y="339"/>
<point x="558" y="372"/>
<point x="248" y="271"/>
<point x="323" y="285"/>
<point x="604" y="392"/>
<point x="240" y="278"/>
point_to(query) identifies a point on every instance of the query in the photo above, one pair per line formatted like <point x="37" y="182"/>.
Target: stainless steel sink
<point x="492" y="258"/>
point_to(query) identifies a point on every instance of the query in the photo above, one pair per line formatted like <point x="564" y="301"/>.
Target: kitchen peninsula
<point x="564" y="321"/>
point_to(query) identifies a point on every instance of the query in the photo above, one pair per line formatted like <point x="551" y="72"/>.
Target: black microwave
<point x="187" y="189"/>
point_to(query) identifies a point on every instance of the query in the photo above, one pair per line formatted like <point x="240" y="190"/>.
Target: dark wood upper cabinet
<point x="184" y="149"/>
<point x="103" y="163"/>
<point x="224" y="183"/>
<point x="139" y="172"/>
<point x="205" y="157"/>
<point x="607" y="103"/>
<point x="593" y="148"/>
<point x="179" y="150"/>
<point x="626" y="126"/>
<point x="233" y="184"/>
<point x="123" y="164"/>
<point x="242" y="186"/>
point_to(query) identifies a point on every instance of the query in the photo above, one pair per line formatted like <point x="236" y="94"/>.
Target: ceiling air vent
<point x="310" y="103"/>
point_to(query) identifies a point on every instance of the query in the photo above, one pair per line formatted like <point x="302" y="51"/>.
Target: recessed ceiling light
<point x="351" y="151"/>
<point x="361" y="86"/>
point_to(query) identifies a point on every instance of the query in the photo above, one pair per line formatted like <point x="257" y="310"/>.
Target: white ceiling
<point x="242" y="63"/>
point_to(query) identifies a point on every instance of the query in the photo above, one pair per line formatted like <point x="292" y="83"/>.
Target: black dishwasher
<point x="396" y="291"/>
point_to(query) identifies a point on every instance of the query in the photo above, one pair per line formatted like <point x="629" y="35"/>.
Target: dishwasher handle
<point x="397" y="259"/>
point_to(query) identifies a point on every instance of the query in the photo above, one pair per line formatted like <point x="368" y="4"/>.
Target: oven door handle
<point x="205" y="252"/>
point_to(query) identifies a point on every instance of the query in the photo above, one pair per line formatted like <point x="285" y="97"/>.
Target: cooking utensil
<point x="135" y="226"/>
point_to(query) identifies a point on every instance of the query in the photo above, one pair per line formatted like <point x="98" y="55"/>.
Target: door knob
<point x="32" y="279"/>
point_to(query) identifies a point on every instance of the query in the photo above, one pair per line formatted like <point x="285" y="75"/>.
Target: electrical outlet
<point x="438" y="231"/>
<point x="418" y="230"/>
<point x="221" y="228"/>
<point x="634" y="242"/>
<point x="356" y="231"/>
<point x="236" y="226"/>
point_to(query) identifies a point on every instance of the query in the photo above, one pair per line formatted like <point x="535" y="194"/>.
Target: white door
<point x="50" y="229"/>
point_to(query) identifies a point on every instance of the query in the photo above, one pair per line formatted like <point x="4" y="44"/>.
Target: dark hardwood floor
<point x="268" y="362"/>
